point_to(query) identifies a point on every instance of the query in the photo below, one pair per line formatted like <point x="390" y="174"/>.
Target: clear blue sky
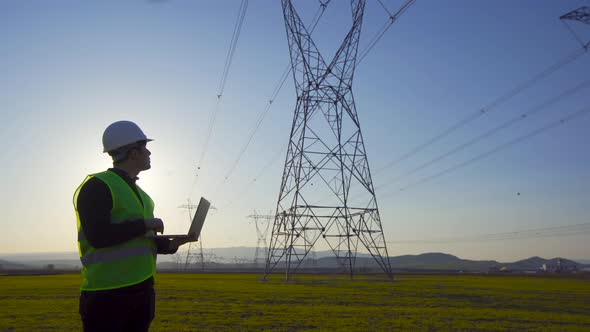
<point x="69" y="68"/>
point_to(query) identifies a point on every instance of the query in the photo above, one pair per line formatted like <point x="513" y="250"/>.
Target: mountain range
<point x="243" y="256"/>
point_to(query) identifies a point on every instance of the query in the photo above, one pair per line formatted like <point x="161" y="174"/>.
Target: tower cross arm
<point x="581" y="14"/>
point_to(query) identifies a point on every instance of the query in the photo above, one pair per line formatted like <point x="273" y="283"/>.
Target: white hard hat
<point x="121" y="133"/>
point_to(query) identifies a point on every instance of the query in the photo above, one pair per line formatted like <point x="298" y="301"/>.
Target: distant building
<point x="560" y="266"/>
<point x="499" y="269"/>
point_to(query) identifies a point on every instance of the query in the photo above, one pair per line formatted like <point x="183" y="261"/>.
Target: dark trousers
<point x="125" y="309"/>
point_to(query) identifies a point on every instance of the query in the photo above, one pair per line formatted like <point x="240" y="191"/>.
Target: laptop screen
<point x="199" y="218"/>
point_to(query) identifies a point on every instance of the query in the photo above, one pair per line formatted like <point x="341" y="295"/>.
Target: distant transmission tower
<point x="326" y="190"/>
<point x="582" y="15"/>
<point x="190" y="255"/>
<point x="262" y="223"/>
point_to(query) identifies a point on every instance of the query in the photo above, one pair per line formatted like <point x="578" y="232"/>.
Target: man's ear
<point x="132" y="154"/>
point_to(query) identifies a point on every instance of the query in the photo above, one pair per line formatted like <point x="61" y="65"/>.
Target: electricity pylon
<point x="262" y="223"/>
<point x="582" y="15"/>
<point x="189" y="254"/>
<point x="326" y="156"/>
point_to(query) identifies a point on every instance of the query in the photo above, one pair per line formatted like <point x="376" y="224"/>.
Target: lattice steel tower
<point x="326" y="191"/>
<point x="581" y="15"/>
<point x="262" y="223"/>
<point x="190" y="255"/>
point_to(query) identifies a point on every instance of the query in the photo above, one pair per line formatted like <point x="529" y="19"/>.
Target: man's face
<point x="141" y="155"/>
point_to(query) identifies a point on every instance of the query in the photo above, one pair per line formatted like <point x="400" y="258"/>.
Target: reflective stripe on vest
<point x="107" y="255"/>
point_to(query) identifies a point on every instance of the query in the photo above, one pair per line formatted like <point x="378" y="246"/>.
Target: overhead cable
<point x="575" y="35"/>
<point x="232" y="46"/>
<point x="385" y="8"/>
<point x="276" y="90"/>
<point x="254" y="180"/>
<point x="551" y="125"/>
<point x="536" y="109"/>
<point x="488" y="108"/>
<point x="557" y="231"/>
<point x="581" y="15"/>
<point x="228" y="60"/>
<point x="205" y="147"/>
<point x="392" y="19"/>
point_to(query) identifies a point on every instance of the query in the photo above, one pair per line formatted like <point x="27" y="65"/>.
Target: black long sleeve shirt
<point x="94" y="207"/>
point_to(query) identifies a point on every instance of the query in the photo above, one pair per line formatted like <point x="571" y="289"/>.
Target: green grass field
<point x="242" y="302"/>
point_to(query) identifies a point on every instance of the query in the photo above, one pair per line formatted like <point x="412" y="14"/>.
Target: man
<point x="115" y="221"/>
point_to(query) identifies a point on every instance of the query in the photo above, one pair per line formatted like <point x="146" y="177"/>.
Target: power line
<point x="205" y="147"/>
<point x="488" y="108"/>
<point x="510" y="143"/>
<point x="557" y="231"/>
<point x="575" y="35"/>
<point x="232" y="46"/>
<point x="277" y="89"/>
<point x="228" y="60"/>
<point x="582" y="15"/>
<point x="385" y="8"/>
<point x="254" y="180"/>
<point x="392" y="19"/>
<point x="536" y="109"/>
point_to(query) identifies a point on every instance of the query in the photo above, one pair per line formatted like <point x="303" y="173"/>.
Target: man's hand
<point x="177" y="242"/>
<point x="155" y="224"/>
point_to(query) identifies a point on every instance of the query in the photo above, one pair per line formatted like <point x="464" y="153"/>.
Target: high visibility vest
<point x="124" y="264"/>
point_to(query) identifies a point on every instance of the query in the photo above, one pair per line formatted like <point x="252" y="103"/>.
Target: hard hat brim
<point x="143" y="140"/>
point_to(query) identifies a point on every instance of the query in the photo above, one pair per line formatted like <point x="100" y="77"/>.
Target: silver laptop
<point x="197" y="224"/>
